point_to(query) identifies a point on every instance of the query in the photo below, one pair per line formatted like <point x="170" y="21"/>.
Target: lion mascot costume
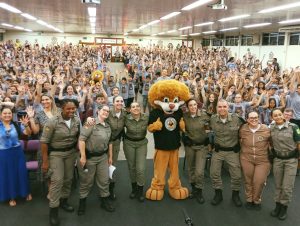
<point x="165" y="122"/>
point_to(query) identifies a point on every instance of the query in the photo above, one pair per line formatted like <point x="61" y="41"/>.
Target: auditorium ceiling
<point x="134" y="17"/>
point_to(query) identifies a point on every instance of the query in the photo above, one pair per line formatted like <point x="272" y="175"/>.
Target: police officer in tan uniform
<point x="95" y="157"/>
<point x="116" y="120"/>
<point x="286" y="146"/>
<point x="226" y="128"/>
<point x="59" y="141"/>
<point x="135" y="149"/>
<point x="196" y="147"/>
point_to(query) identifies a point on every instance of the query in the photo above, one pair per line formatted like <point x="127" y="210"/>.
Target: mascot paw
<point x="180" y="193"/>
<point x="155" y="126"/>
<point x="154" y="194"/>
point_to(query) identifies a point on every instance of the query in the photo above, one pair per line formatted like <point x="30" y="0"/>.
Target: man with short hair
<point x="226" y="128"/>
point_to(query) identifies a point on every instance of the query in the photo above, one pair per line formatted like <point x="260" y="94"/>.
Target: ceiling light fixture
<point x="9" y="8"/>
<point x="154" y="35"/>
<point x="171" y="31"/>
<point x="135" y="30"/>
<point x="234" y="17"/>
<point x="42" y="22"/>
<point x="195" y="34"/>
<point x="281" y="7"/>
<point x="229" y="29"/>
<point x="204" y="24"/>
<point x="170" y="15"/>
<point x="209" y="32"/>
<point x="256" y="25"/>
<point x="92" y="11"/>
<point x="143" y="26"/>
<point x="19" y="28"/>
<point x="153" y="22"/>
<point x="28" y="16"/>
<point x="289" y="21"/>
<point x="161" y="33"/>
<point x="6" y="25"/>
<point x="195" y="4"/>
<point x="184" y="28"/>
<point x="184" y="35"/>
<point x="93" y="19"/>
<point x="28" y="30"/>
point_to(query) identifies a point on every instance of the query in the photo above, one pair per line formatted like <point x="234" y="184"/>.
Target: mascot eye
<point x="175" y="100"/>
<point x="166" y="100"/>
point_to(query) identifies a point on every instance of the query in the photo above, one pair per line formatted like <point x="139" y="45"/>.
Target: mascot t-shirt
<point x="169" y="137"/>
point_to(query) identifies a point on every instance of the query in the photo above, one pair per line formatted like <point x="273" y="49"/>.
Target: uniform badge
<point x="170" y="124"/>
<point x="260" y="138"/>
<point x="298" y="131"/>
<point x="46" y="128"/>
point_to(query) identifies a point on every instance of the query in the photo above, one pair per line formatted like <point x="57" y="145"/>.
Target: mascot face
<point x="168" y="95"/>
<point x="169" y="106"/>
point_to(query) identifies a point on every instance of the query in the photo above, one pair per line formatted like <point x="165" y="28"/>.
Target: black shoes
<point x="65" y="206"/>
<point x="81" y="208"/>
<point x="249" y="205"/>
<point x="53" y="216"/>
<point x="112" y="194"/>
<point x="139" y="193"/>
<point x="283" y="213"/>
<point x="107" y="205"/>
<point x="133" y="191"/>
<point x="236" y="198"/>
<point x="194" y="190"/>
<point x="218" y="198"/>
<point x="275" y="212"/>
<point x="199" y="196"/>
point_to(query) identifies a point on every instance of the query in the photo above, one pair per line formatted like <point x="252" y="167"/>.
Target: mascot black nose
<point x="171" y="106"/>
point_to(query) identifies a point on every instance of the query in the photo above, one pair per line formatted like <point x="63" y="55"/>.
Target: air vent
<point x="290" y="29"/>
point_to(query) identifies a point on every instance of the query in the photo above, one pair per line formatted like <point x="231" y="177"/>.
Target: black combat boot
<point x="199" y="196"/>
<point x="193" y="192"/>
<point x="236" y="198"/>
<point x="81" y="208"/>
<point x="275" y="212"/>
<point x="139" y="193"/>
<point x="65" y="205"/>
<point x="218" y="198"/>
<point x="282" y="214"/>
<point x="53" y="216"/>
<point x="112" y="194"/>
<point x="107" y="205"/>
<point x="134" y="191"/>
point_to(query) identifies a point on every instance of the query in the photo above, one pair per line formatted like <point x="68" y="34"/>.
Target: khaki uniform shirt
<point x="195" y="126"/>
<point x="136" y="129"/>
<point x="285" y="139"/>
<point x="226" y="134"/>
<point x="116" y="124"/>
<point x="96" y="137"/>
<point x="58" y="135"/>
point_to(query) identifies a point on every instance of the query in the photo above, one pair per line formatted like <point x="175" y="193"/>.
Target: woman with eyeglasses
<point x="13" y="172"/>
<point x="254" y="158"/>
<point x="286" y="146"/>
<point x="135" y="149"/>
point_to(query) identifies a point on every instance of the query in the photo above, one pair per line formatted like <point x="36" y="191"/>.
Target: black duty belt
<point x="133" y="139"/>
<point x="286" y="155"/>
<point x="235" y="148"/>
<point x="90" y="154"/>
<point x="50" y="148"/>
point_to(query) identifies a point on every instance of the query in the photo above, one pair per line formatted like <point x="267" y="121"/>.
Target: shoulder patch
<point x="298" y="131"/>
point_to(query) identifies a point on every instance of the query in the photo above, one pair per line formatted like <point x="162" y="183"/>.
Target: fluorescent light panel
<point x="209" y="32"/>
<point x="161" y="33"/>
<point x="183" y="35"/>
<point x="9" y="8"/>
<point x="28" y="16"/>
<point x="195" y="34"/>
<point x="28" y="30"/>
<point x="195" y="4"/>
<point x="92" y="11"/>
<point x="229" y="29"/>
<point x="135" y="30"/>
<point x="184" y="28"/>
<point x="289" y="21"/>
<point x="153" y="22"/>
<point x="42" y="22"/>
<point x="170" y="15"/>
<point x="281" y="7"/>
<point x="171" y="31"/>
<point x="154" y="35"/>
<point x="204" y="24"/>
<point x="93" y="19"/>
<point x="6" y="25"/>
<point x="143" y="26"/>
<point x="256" y="25"/>
<point x="234" y="17"/>
<point x="19" y="28"/>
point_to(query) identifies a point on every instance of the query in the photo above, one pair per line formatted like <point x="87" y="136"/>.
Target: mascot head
<point x="168" y="95"/>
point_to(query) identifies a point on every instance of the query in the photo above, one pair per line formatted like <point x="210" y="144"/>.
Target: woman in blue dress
<point x="13" y="172"/>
